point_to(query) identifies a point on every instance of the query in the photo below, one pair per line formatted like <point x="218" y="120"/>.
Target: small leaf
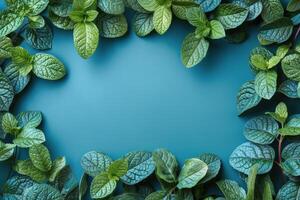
<point x="192" y="172"/>
<point x="196" y="17"/>
<point x="289" y="88"/>
<point x="6" y="151"/>
<point x="83" y="186"/>
<point x="6" y="93"/>
<point x="259" y="62"/>
<point x="117" y="169"/>
<point x="48" y="67"/>
<point x="214" y="165"/>
<point x="231" y="190"/>
<point x="9" y="124"/>
<point x="208" y="5"/>
<point x="115" y="7"/>
<point x="93" y="163"/>
<point x="162" y="19"/>
<point x="265" y="84"/>
<point x="293" y="6"/>
<point x="248" y="154"/>
<point x="288" y="191"/>
<point x="29" y="137"/>
<point x="217" y="30"/>
<point x="102" y="186"/>
<point x="64" y="23"/>
<point x="112" y="26"/>
<point x="5" y="47"/>
<point x="143" y="24"/>
<point x="40" y="38"/>
<point x="29" y="119"/>
<point x="289" y="131"/>
<point x="272" y="10"/>
<point x="40" y="157"/>
<point x="36" y="6"/>
<point x="291" y="66"/>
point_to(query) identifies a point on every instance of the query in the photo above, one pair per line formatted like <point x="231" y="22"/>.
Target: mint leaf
<point x="162" y="19"/>
<point x="117" y="169"/>
<point x="193" y="50"/>
<point x="6" y="151"/>
<point x="291" y="66"/>
<point x="40" y="38"/>
<point x="214" y="165"/>
<point x="5" y="47"/>
<point x="288" y="191"/>
<point x="9" y="123"/>
<point x="36" y="22"/>
<point x="231" y="15"/>
<point x="86" y="38"/>
<point x="255" y="8"/>
<point x="102" y="186"/>
<point x="25" y="167"/>
<point x="29" y="137"/>
<point x="289" y="131"/>
<point x="29" y="119"/>
<point x="157" y="195"/>
<point x="42" y="192"/>
<point x="208" y="5"/>
<point x="291" y="156"/>
<point x="266" y="83"/>
<point x="36" y="6"/>
<point x="217" y="30"/>
<point x="134" y="5"/>
<point x="192" y="172"/>
<point x="16" y="185"/>
<point x="61" y="8"/>
<point x="259" y="62"/>
<point x="6" y="93"/>
<point x="272" y="10"/>
<point x="261" y="130"/>
<point x="48" y="67"/>
<point x="10" y="21"/>
<point x="40" y="157"/>
<point x="289" y="88"/>
<point x="231" y="190"/>
<point x="196" y="17"/>
<point x="61" y="22"/>
<point x="248" y="154"/>
<point x="112" y="26"/>
<point x="143" y="24"/>
<point x="181" y="7"/>
<point x="140" y="166"/>
<point x="149" y="5"/>
<point x="57" y="166"/>
<point x="93" y="163"/>
<point x="293" y="6"/>
<point x="115" y="7"/>
<point x="261" y="51"/>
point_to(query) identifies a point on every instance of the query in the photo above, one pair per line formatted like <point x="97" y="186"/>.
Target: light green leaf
<point x="231" y="15"/>
<point x="281" y="113"/>
<point x="267" y="55"/>
<point x="261" y="130"/>
<point x="42" y="192"/>
<point x="193" y="50"/>
<point x="140" y="166"/>
<point x="277" y="31"/>
<point x="289" y="191"/>
<point x="117" y="169"/>
<point x="217" y="30"/>
<point x="29" y="119"/>
<point x="48" y="67"/>
<point x="6" y="151"/>
<point x="291" y="66"/>
<point x="40" y="157"/>
<point x="192" y="172"/>
<point x="61" y="8"/>
<point x="166" y="165"/>
<point x="115" y="7"/>
<point x="29" y="137"/>
<point x="282" y="50"/>
<point x="21" y="57"/>
<point x="248" y="154"/>
<point x="10" y="21"/>
<point x="289" y="131"/>
<point x="272" y="10"/>
<point x="61" y="22"/>
<point x="93" y="163"/>
<point x="112" y="26"/>
<point x="231" y="190"/>
<point x="143" y="24"/>
<point x="40" y="38"/>
<point x="102" y="186"/>
<point x="5" y="47"/>
<point x="149" y="5"/>
<point x="162" y="19"/>
<point x="57" y="166"/>
<point x="36" y="22"/>
<point x="36" y="6"/>
<point x="251" y="183"/>
<point x="10" y="124"/>
<point x="214" y="165"/>
<point x="255" y="8"/>
<point x="181" y="7"/>
<point x="247" y="97"/>
<point x="196" y="16"/>
<point x="25" y="167"/>
<point x="266" y="84"/>
<point x="86" y="38"/>
<point x="259" y="61"/>
<point x="6" y="93"/>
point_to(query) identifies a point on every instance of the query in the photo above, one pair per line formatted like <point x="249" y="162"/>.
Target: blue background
<point x="135" y="94"/>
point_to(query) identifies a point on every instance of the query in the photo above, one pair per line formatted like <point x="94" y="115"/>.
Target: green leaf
<point x="29" y="137"/>
<point x="16" y="185"/>
<point x="36" y="22"/>
<point x="272" y="10"/>
<point x="251" y="183"/>
<point x="289" y="88"/>
<point x="86" y="38"/>
<point x="255" y="8"/>
<point x="10" y="21"/>
<point x="6" y="151"/>
<point x="208" y="5"/>
<point x="140" y="166"/>
<point x="115" y="7"/>
<point x="267" y="191"/>
<point x="261" y="130"/>
<point x="21" y="57"/>
<point x="231" y="15"/>
<point x="83" y="186"/>
<point x="166" y="165"/>
<point x="102" y="186"/>
<point x="162" y="19"/>
<point x="134" y="5"/>
<point x="93" y="163"/>
<point x="266" y="83"/>
<point x="282" y="50"/>
<point x="6" y="93"/>
<point x="149" y="5"/>
<point x="18" y="81"/>
<point x="281" y="113"/>
<point x="291" y="66"/>
<point x="36" y="6"/>
<point x="9" y="124"/>
<point x="112" y="26"/>
<point x="5" y="47"/>
<point x="40" y="157"/>
<point x="57" y="166"/>
<point x="181" y="7"/>
<point x="40" y="38"/>
<point x="259" y="62"/>
<point x="196" y="16"/>
<point x="277" y="31"/>
<point x="293" y="6"/>
<point x="247" y="97"/>
<point x="143" y="24"/>
<point x="265" y="53"/>
<point x="192" y="172"/>
<point x="42" y="192"/>
<point x="25" y="167"/>
<point x="214" y="165"/>
<point x="291" y="156"/>
<point x="248" y="154"/>
<point x="289" y="131"/>
<point x="231" y="190"/>
<point x="61" y="8"/>
<point x="193" y="50"/>
<point x="61" y="22"/>
<point x="158" y="195"/>
<point x="29" y="119"/>
<point x="217" y="30"/>
<point x="48" y="67"/>
<point x="117" y="169"/>
<point x="289" y="191"/>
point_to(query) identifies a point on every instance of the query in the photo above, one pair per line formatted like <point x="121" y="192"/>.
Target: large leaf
<point x="247" y="97"/>
<point x="57" y="166"/>
<point x="289" y="191"/>
<point x="143" y="24"/>
<point x="40" y="38"/>
<point x="86" y="38"/>
<point x="266" y="84"/>
<point x="261" y="130"/>
<point x="289" y="88"/>
<point x="291" y="156"/>
<point x="115" y="7"/>
<point x="29" y="137"/>
<point x="93" y="163"/>
<point x="42" y="192"/>
<point x="10" y="21"/>
<point x="166" y="165"/>
<point x="18" y="81"/>
<point x="162" y="19"/>
<point x="140" y="166"/>
<point x="192" y="172"/>
<point x="40" y="157"/>
<point x="231" y="190"/>
<point x="48" y="67"/>
<point x="193" y="50"/>
<point x="277" y="31"/>
<point x="102" y="186"/>
<point x="291" y="66"/>
<point x="6" y="93"/>
<point x="117" y="169"/>
<point x="214" y="165"/>
<point x="272" y="10"/>
<point x="30" y="119"/>
<point x="25" y="167"/>
<point x="112" y="26"/>
<point x="248" y="154"/>
<point x="231" y="15"/>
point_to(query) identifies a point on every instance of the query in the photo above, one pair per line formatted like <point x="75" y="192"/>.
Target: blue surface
<point x="134" y="94"/>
